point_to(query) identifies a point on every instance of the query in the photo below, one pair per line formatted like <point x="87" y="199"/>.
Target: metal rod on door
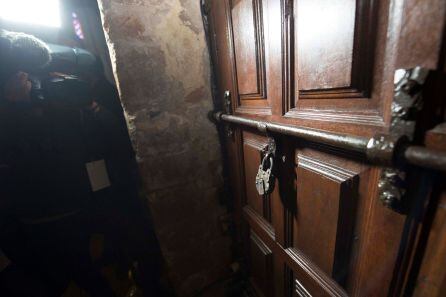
<point x="381" y="149"/>
<point x="424" y="157"/>
<point x="354" y="143"/>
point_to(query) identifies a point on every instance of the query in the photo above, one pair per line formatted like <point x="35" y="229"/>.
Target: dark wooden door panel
<point x="290" y="264"/>
<point x="326" y="198"/>
<point x="333" y="43"/>
<point x="254" y="71"/>
<point x="300" y="290"/>
<point x="267" y="208"/>
<point x="249" y="52"/>
<point x="306" y="279"/>
<point x="261" y="266"/>
<point x="324" y="43"/>
<point x="331" y="72"/>
<point x="253" y="150"/>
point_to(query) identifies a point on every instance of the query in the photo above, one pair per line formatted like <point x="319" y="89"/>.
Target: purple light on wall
<point x="77" y="26"/>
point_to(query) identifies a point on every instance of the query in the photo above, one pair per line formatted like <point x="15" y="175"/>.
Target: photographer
<point x="116" y="211"/>
<point x="45" y="186"/>
<point x="71" y="170"/>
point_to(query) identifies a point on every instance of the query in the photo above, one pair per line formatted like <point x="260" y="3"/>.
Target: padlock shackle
<point x="271" y="161"/>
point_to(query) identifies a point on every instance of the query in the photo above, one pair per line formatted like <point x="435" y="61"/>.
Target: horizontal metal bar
<point x="348" y="142"/>
<point x="424" y="157"/>
<point x="378" y="150"/>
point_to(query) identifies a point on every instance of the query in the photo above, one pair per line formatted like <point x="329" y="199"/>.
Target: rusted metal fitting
<point x="262" y="127"/>
<point x="382" y="148"/>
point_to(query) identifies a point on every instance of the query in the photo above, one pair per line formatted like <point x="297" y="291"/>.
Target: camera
<point x="21" y="52"/>
<point x="60" y="90"/>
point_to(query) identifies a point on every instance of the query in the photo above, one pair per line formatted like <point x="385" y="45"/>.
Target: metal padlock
<point x="264" y="177"/>
<point x="260" y="186"/>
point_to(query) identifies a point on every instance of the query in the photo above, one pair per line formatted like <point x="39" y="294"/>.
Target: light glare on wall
<point x="36" y="12"/>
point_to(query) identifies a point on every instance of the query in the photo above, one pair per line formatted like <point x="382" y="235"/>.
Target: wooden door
<point x="328" y="65"/>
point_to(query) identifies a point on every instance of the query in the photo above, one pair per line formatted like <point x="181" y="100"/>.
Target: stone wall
<point x="161" y="67"/>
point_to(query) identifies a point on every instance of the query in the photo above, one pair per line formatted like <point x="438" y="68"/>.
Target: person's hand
<point x="18" y="88"/>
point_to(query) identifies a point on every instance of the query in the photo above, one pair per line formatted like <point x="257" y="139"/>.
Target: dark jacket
<point x="43" y="158"/>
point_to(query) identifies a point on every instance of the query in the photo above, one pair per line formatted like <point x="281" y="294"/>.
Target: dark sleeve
<point x="115" y="132"/>
<point x="106" y="95"/>
<point x="6" y="163"/>
<point x="12" y="116"/>
<point x="121" y="156"/>
<point x="112" y="120"/>
<point x="5" y="191"/>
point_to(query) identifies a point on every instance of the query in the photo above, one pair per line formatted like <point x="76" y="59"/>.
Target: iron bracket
<point x="406" y="105"/>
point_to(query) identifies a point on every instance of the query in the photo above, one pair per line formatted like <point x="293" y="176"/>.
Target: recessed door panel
<point x="252" y="152"/>
<point x="325" y="37"/>
<point x="247" y="24"/>
<point x="326" y="195"/>
<point x="329" y="49"/>
<point x="261" y="266"/>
